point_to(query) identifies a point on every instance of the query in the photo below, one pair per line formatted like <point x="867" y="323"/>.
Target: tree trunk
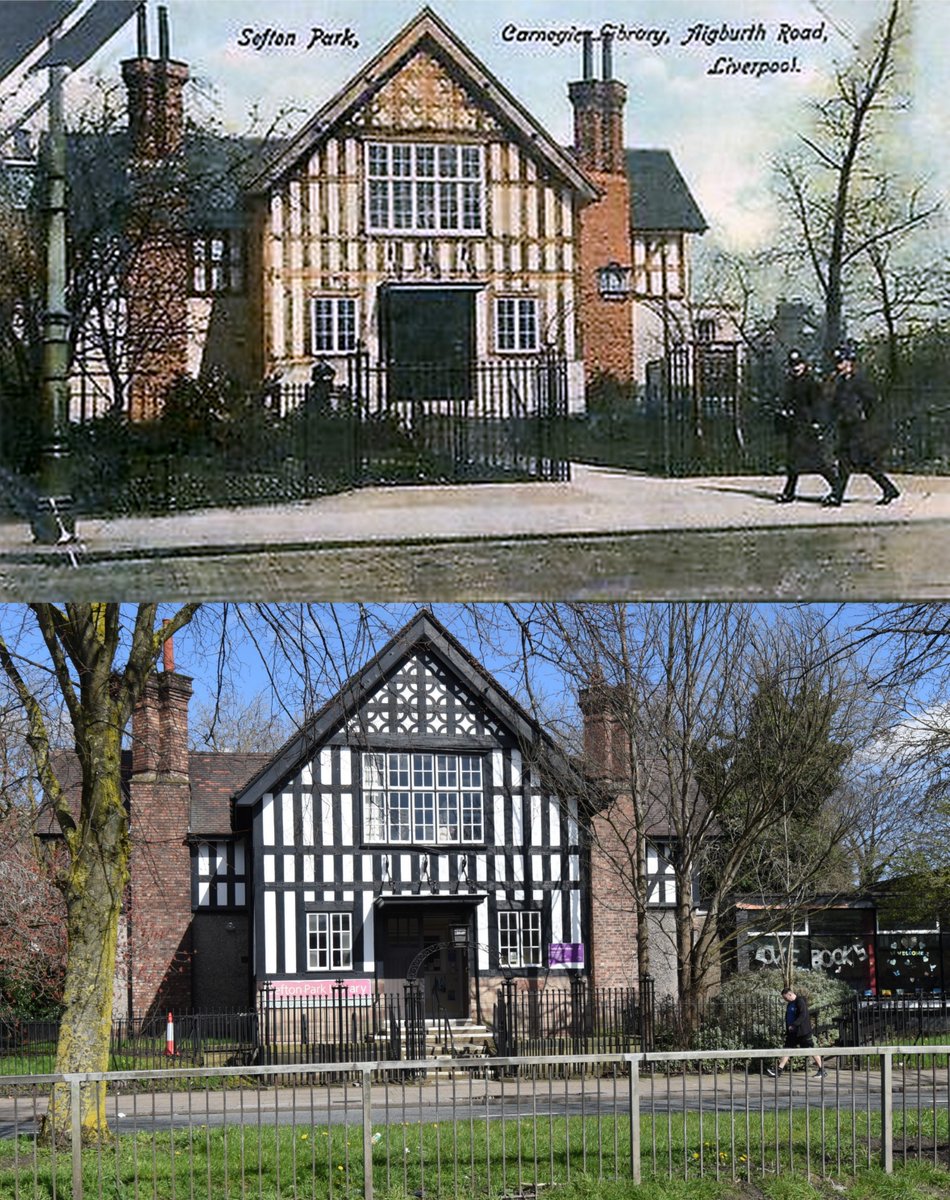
<point x="93" y="886"/>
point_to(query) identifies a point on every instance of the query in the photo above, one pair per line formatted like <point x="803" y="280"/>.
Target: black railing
<point x="682" y="433"/>
<point x="574" y="1020"/>
<point x="890" y="1020"/>
<point x="474" y="422"/>
<point x="378" y="423"/>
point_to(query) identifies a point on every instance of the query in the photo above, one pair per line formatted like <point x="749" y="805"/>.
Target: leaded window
<point x="217" y="263"/>
<point x="516" y="324"/>
<point x="433" y="799"/>
<point x="333" y="324"/>
<point x="422" y="188"/>
<point x="519" y="938"/>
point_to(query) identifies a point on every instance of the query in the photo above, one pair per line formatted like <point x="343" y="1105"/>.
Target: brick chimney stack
<point x="155" y="95"/>
<point x="613" y="908"/>
<point x="158" y="273"/>
<point x="159" y="918"/>
<point x="605" y="736"/>
<point x="606" y="324"/>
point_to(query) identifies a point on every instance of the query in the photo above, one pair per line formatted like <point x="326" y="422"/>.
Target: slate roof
<point x="659" y="196"/>
<point x="215" y="776"/>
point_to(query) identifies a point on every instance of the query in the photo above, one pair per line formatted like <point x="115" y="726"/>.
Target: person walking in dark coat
<point x="798" y="1032"/>
<point x="859" y="443"/>
<point x="807" y="425"/>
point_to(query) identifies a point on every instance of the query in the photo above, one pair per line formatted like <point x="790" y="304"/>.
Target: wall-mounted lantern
<point x="614" y="282"/>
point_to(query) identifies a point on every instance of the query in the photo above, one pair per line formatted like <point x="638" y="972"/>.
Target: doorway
<point x="407" y="932"/>
<point x="428" y="337"/>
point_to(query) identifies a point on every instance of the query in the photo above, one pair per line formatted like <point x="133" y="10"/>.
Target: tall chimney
<point x="159" y="920"/>
<point x="605" y="322"/>
<point x="157" y="290"/>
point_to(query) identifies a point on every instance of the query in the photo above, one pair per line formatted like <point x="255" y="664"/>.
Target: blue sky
<point x="724" y="130"/>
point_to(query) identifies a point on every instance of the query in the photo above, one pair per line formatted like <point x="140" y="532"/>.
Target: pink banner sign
<point x="286" y="989"/>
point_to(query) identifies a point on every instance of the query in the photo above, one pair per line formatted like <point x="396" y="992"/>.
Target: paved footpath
<point x="606" y="533"/>
<point x="466" y="1096"/>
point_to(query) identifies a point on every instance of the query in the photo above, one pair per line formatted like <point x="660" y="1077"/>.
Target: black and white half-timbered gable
<point x="421" y="810"/>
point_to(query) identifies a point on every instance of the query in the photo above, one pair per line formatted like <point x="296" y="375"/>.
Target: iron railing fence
<point x="339" y="1028"/>
<point x="140" y="1043"/>
<point x="873" y="1020"/>
<point x="474" y="422"/>
<point x="691" y="435"/>
<point x="579" y="1019"/>
<point x="379" y="424"/>
<point x="501" y="1126"/>
<point x="551" y="1020"/>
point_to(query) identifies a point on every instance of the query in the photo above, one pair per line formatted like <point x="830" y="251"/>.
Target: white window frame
<point x="343" y="328"/>
<point x="423" y="798"/>
<point x="519" y="938"/>
<point x="329" y="941"/>
<point x="217" y="263"/>
<point x="425" y="188"/>
<point x="659" y="265"/>
<point x="661" y="875"/>
<point x="517" y="324"/>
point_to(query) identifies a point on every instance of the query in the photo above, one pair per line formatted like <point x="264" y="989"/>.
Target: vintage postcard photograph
<point x="391" y="300"/>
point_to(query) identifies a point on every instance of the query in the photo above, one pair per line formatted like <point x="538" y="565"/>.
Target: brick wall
<point x="613" y="917"/>
<point x="158" y="273"/>
<point x="605" y="326"/>
<point x="160" y="950"/>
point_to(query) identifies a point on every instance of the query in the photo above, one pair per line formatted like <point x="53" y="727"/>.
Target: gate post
<point x="887" y="1112"/>
<point x="646" y="1013"/>
<point x="415" y="1019"/>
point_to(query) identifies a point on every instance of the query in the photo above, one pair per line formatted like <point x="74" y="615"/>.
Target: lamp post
<point x="53" y="522"/>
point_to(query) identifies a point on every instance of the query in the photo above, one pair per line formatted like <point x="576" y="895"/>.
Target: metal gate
<point x="474" y="422"/>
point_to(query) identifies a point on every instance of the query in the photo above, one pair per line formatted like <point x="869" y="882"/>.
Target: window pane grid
<point x="516" y="323"/>
<point x="333" y="324"/>
<point x="423" y="188"/>
<point x="519" y="939"/>
<point x="443" y="804"/>
<point x="329" y="941"/>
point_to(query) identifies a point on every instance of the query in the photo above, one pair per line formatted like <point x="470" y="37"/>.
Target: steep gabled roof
<point x="659" y="197"/>
<point x="426" y="632"/>
<point x="427" y="30"/>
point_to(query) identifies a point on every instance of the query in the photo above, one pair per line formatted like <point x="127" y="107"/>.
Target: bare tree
<point x="709" y="727"/>
<point x="99" y="658"/>
<point x="846" y="205"/>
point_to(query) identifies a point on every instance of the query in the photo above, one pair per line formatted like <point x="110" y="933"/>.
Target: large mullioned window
<point x="435" y="799"/>
<point x="329" y="941"/>
<point x="424" y="188"/>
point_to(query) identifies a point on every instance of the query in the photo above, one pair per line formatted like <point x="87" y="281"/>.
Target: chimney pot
<point x="607" y="41"/>
<point x="141" y="23"/>
<point x="588" y="56"/>
<point x="163" y="40"/>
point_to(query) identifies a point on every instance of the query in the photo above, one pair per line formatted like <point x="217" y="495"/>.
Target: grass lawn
<point x="564" y="1159"/>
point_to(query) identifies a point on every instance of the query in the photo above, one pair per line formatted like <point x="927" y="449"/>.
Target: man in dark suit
<point x="807" y="428"/>
<point x="860" y="446"/>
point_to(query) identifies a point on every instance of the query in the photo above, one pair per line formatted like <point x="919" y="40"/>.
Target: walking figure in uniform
<point x="806" y="414"/>
<point x="859" y="445"/>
